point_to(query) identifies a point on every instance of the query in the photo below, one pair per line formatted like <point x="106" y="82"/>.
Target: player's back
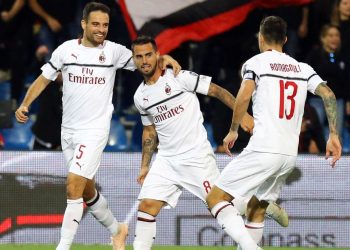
<point x="278" y="101"/>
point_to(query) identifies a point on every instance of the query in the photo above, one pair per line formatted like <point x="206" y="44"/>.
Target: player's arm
<point x="333" y="147"/>
<point x="240" y="108"/>
<point x="149" y="145"/>
<point x="228" y="99"/>
<point x="33" y="92"/>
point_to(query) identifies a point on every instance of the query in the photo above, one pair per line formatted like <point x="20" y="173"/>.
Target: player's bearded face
<point x="96" y="28"/>
<point x="146" y="59"/>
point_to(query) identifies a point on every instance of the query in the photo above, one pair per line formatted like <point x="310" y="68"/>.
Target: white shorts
<point x="83" y="151"/>
<point x="256" y="173"/>
<point x="168" y="176"/>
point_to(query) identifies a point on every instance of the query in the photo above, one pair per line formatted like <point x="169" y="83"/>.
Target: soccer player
<point x="170" y="113"/>
<point x="278" y="85"/>
<point x="88" y="67"/>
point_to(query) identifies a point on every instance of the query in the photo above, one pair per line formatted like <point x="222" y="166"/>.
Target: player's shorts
<point x="168" y="176"/>
<point x="83" y="151"/>
<point x="256" y="173"/>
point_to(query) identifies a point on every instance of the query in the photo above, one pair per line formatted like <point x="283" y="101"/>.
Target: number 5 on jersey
<point x="284" y="86"/>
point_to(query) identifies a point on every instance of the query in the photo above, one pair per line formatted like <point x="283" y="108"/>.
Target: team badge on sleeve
<point x="102" y="57"/>
<point x="167" y="89"/>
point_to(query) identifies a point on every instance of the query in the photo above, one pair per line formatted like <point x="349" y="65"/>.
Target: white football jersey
<point x="88" y="80"/>
<point x="171" y="104"/>
<point x="278" y="100"/>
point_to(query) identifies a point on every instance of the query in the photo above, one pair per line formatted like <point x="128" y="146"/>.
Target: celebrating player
<point x="88" y="67"/>
<point x="170" y="113"/>
<point x="279" y="85"/>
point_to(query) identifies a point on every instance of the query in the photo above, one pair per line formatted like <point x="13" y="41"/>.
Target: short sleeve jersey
<point x="88" y="79"/>
<point x="278" y="100"/>
<point x="171" y="104"/>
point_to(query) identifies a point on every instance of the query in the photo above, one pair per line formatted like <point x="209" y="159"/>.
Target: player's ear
<point x="83" y="24"/>
<point x="285" y="40"/>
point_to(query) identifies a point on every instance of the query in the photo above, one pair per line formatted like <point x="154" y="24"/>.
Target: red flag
<point x="173" y="22"/>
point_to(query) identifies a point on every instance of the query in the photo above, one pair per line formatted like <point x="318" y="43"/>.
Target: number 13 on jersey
<point x="284" y="87"/>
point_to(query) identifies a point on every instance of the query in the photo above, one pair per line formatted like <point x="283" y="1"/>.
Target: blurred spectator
<point x="330" y="63"/>
<point x="15" y="38"/>
<point x="341" y="18"/>
<point x="47" y="126"/>
<point x="2" y="143"/>
<point x="311" y="138"/>
<point x="58" y="22"/>
<point x="297" y="18"/>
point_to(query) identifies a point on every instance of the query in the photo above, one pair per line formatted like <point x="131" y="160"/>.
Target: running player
<point x="279" y="85"/>
<point x="88" y="67"/>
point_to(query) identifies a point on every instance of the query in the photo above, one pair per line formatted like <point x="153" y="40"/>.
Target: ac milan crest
<point x="167" y="89"/>
<point x="102" y="57"/>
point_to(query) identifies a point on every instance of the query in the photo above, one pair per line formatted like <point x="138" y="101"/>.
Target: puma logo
<point x="76" y="221"/>
<point x="76" y="58"/>
<point x="145" y="99"/>
<point x="78" y="164"/>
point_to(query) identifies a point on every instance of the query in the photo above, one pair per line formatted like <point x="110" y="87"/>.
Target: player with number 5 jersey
<point x="88" y="68"/>
<point x="278" y="86"/>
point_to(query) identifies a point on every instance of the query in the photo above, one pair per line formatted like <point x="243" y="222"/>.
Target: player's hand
<point x="333" y="149"/>
<point x="21" y="114"/>
<point x="247" y="123"/>
<point x="229" y="141"/>
<point x="167" y="60"/>
<point x="142" y="175"/>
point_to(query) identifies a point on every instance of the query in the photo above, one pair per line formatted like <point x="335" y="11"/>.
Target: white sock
<point x="255" y="230"/>
<point x="145" y="231"/>
<point x="231" y="221"/>
<point x="98" y="207"/>
<point x="71" y="220"/>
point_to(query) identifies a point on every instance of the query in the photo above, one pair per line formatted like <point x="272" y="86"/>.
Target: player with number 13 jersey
<point x="280" y="79"/>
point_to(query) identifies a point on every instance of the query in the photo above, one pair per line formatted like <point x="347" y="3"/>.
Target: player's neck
<point x="86" y="43"/>
<point x="154" y="78"/>
<point x="273" y="47"/>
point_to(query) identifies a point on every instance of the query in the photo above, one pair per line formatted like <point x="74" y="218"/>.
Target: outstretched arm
<point x="333" y="147"/>
<point x="33" y="92"/>
<point x="149" y="145"/>
<point x="228" y="99"/>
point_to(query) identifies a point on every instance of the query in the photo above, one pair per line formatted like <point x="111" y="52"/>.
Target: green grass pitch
<point x="100" y="247"/>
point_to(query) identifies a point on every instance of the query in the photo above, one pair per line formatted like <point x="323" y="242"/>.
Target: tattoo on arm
<point x="330" y="105"/>
<point x="149" y="145"/>
<point x="222" y="94"/>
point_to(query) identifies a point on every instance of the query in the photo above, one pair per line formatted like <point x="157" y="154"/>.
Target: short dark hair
<point x="94" y="6"/>
<point x="273" y="29"/>
<point x="141" y="40"/>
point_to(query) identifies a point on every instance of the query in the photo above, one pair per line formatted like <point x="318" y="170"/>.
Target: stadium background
<point x="32" y="194"/>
